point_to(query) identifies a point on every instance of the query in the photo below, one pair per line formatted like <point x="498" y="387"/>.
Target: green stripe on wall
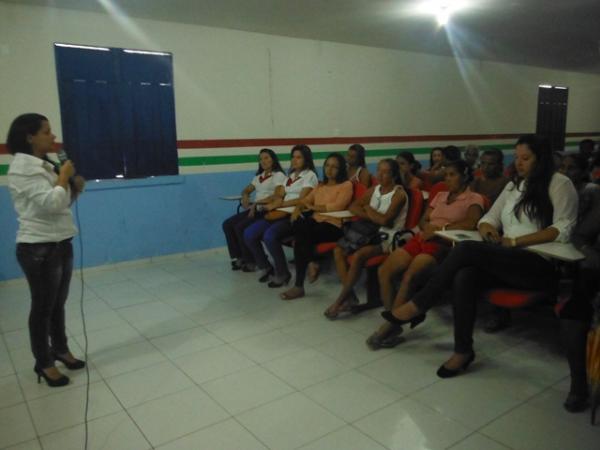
<point x="242" y="159"/>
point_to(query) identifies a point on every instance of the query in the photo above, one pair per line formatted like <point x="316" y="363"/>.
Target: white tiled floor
<point x="186" y="354"/>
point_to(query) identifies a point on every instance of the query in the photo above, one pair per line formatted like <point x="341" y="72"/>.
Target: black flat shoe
<point x="266" y="276"/>
<point x="576" y="403"/>
<point x="285" y="282"/>
<point x="63" y="380"/>
<point x="387" y="315"/>
<point x="443" y="372"/>
<point x="75" y="365"/>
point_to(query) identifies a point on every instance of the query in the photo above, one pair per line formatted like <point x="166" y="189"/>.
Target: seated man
<point x="491" y="182"/>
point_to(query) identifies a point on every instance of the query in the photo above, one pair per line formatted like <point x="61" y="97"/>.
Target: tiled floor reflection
<point x="186" y="354"/>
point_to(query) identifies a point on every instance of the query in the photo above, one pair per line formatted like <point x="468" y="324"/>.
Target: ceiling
<point x="559" y="34"/>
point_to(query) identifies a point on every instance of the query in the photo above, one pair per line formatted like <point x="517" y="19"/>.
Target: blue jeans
<point x="272" y="234"/>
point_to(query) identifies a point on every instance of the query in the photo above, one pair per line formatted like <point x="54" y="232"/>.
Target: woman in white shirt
<point x="300" y="181"/>
<point x="269" y="177"/>
<point x="42" y="195"/>
<point x="385" y="205"/>
<point x="538" y="206"/>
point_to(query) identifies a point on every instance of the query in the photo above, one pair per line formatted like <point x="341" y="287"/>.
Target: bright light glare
<point x="442" y="9"/>
<point x="545" y="86"/>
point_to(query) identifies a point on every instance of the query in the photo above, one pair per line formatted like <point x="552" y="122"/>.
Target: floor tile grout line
<point x="128" y="414"/>
<point x="33" y="425"/>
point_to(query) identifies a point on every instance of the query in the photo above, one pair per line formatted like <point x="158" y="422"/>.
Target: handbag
<point x="274" y="215"/>
<point x="357" y="234"/>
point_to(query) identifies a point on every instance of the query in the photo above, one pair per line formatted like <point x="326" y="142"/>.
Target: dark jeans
<point x="48" y="269"/>
<point x="472" y="267"/>
<point x="234" y="234"/>
<point x="308" y="233"/>
<point x="272" y="234"/>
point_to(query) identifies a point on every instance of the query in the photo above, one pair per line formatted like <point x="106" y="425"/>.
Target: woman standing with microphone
<point x="42" y="195"/>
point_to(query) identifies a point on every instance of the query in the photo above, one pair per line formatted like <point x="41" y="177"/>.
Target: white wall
<point x="232" y="84"/>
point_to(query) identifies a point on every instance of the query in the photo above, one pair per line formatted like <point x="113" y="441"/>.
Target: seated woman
<point x="300" y="181"/>
<point x="386" y="205"/>
<point x="409" y="168"/>
<point x="268" y="176"/>
<point x="456" y="209"/>
<point x="334" y="194"/>
<point x="357" y="165"/>
<point x="436" y="169"/>
<point x="538" y="206"/>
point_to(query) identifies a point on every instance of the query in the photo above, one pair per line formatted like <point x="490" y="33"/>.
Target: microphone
<point x="62" y="156"/>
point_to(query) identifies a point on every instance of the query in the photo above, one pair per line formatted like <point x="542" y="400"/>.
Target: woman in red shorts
<point x="455" y="209"/>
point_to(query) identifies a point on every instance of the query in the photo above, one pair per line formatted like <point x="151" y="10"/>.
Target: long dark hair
<point x="276" y="165"/>
<point x="360" y="154"/>
<point x="20" y="128"/>
<point x="395" y="168"/>
<point x="431" y="155"/>
<point x="464" y="169"/>
<point x="535" y="202"/>
<point x="412" y="162"/>
<point x="342" y="174"/>
<point x="306" y="154"/>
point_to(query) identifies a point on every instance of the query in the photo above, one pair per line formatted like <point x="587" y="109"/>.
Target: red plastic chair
<point x="515" y="298"/>
<point x="413" y="216"/>
<point x="436" y="189"/>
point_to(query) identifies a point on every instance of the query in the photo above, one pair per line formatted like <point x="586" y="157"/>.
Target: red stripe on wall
<point x="266" y="142"/>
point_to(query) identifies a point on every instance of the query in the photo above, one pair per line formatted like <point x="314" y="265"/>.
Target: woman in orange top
<point x="334" y="194"/>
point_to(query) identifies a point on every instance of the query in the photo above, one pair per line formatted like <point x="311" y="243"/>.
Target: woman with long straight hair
<point x="269" y="176"/>
<point x="357" y="165"/>
<point x="42" y="193"/>
<point x="537" y="206"/>
<point x="300" y="181"/>
<point x="333" y="194"/>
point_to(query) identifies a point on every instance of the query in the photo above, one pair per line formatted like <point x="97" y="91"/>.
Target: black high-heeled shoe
<point x="63" y="380"/>
<point x="77" y="364"/>
<point x="444" y="372"/>
<point x="576" y="402"/>
<point x="387" y="315"/>
<point x="285" y="282"/>
<point x="266" y="276"/>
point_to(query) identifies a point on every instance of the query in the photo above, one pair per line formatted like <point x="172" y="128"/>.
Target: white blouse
<point x="264" y="186"/>
<point x="294" y="184"/>
<point x="564" y="201"/>
<point x="42" y="207"/>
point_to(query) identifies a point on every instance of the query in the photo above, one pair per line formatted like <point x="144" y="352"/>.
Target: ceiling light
<point x="442" y="9"/>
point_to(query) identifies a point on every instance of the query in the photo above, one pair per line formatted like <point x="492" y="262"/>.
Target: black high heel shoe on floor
<point x="284" y="282"/>
<point x="387" y="315"/>
<point x="75" y="365"/>
<point x="444" y="372"/>
<point x="63" y="380"/>
<point x="576" y="402"/>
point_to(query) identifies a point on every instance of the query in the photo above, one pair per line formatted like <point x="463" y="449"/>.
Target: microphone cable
<point x="85" y="336"/>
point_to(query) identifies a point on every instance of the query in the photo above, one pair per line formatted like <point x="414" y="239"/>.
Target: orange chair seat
<point x="514" y="298"/>
<point x="325" y="247"/>
<point x="371" y="262"/>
